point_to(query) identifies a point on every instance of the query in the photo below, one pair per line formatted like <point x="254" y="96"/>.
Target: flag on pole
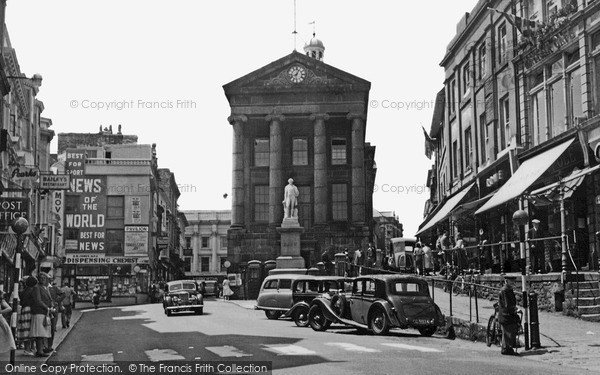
<point x="429" y="143"/>
<point x="526" y="27"/>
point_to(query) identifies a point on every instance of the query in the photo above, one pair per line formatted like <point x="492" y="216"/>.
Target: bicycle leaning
<point x="493" y="334"/>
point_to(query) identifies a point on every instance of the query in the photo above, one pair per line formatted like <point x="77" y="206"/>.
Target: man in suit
<point x="57" y="296"/>
<point x="508" y="317"/>
<point x="536" y="248"/>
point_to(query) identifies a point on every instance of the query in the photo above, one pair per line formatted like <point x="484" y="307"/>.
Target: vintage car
<point x="182" y="295"/>
<point x="378" y="303"/>
<point x="304" y="291"/>
<point x="281" y="293"/>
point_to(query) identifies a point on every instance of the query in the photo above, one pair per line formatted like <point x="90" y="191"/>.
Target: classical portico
<point x="301" y="118"/>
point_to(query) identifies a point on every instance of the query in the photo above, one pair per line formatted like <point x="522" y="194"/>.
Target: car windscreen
<point x="182" y="286"/>
<point x="409" y="287"/>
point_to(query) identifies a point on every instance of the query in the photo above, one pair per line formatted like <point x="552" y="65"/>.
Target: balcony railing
<point x="109" y="161"/>
<point x="550" y="37"/>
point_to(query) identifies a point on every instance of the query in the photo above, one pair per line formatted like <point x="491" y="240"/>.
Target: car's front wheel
<point x="198" y="311"/>
<point x="301" y="316"/>
<point x="272" y="315"/>
<point x="427" y="331"/>
<point x="378" y="322"/>
<point x="317" y="320"/>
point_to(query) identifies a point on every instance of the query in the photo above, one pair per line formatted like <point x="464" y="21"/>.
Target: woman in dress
<point x="40" y="311"/>
<point x="24" y="323"/>
<point x="226" y="289"/>
<point x="7" y="341"/>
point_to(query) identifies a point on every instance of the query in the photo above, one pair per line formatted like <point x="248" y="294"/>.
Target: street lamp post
<point x="520" y="217"/>
<point x="19" y="227"/>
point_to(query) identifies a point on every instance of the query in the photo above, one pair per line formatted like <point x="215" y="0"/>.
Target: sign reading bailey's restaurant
<point x="13" y="208"/>
<point x="54" y="181"/>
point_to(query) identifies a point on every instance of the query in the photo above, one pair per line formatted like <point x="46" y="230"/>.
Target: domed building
<point x="299" y="118"/>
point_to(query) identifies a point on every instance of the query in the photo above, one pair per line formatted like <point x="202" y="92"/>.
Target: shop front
<point x="118" y="278"/>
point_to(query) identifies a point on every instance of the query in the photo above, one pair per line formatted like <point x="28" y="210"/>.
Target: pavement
<point x="565" y="341"/>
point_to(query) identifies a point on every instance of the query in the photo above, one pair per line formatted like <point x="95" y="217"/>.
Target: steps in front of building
<point x="591" y="317"/>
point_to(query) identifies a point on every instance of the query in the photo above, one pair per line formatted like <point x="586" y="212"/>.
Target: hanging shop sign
<point x="54" y="181"/>
<point x="13" y="208"/>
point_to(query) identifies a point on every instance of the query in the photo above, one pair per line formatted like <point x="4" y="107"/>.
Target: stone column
<point x="358" y="172"/>
<point x="276" y="178"/>
<point x="320" y="171"/>
<point x="196" y="248"/>
<point x="237" y="182"/>
<point x="214" y="234"/>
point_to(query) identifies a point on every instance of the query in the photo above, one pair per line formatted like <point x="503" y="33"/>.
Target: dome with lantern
<point x="314" y="48"/>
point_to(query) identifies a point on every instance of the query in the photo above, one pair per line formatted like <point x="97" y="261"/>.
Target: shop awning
<point x="468" y="208"/>
<point x="529" y="171"/>
<point x="443" y="212"/>
<point x="567" y="185"/>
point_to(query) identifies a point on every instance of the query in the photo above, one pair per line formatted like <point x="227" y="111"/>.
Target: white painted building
<point x="205" y="247"/>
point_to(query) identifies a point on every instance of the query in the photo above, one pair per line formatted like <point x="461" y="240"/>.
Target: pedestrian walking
<point x="357" y="262"/>
<point x="57" y="296"/>
<point x="41" y="309"/>
<point x="227" y="292"/>
<point x="24" y="321"/>
<point x="419" y="259"/>
<point x="508" y="317"/>
<point x="7" y="341"/>
<point x="96" y="296"/>
<point x="67" y="303"/>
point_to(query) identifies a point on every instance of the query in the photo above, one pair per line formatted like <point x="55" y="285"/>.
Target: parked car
<point x="304" y="291"/>
<point x="280" y="294"/>
<point x="378" y="303"/>
<point x="210" y="288"/>
<point x="182" y="295"/>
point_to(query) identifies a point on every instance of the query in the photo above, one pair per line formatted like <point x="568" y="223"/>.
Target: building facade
<point x="206" y="243"/>
<point x="25" y="138"/>
<point x="116" y="215"/>
<point x="516" y="127"/>
<point x="387" y="226"/>
<point x="303" y="119"/>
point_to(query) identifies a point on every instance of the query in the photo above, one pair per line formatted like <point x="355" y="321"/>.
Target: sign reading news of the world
<point x="85" y="208"/>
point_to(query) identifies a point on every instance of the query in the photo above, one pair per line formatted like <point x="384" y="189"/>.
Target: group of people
<point x="361" y="261"/>
<point x="41" y="303"/>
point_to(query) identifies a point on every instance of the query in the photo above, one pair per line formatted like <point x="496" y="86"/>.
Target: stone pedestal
<point x="290" y="231"/>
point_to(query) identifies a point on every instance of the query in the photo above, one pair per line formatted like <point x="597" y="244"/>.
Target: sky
<point x="158" y="69"/>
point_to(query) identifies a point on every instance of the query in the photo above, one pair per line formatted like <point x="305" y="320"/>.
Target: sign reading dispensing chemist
<point x="85" y="212"/>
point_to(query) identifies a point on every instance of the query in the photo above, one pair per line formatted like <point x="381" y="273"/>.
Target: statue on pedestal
<point x="290" y="200"/>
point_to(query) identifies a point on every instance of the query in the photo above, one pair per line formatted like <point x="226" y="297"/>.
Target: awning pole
<point x="563" y="233"/>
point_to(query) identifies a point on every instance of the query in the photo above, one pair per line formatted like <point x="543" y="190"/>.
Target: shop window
<point x="204" y="264"/>
<point x="261" y="152"/>
<point x="261" y="203"/>
<point x="338" y="151"/>
<point x="300" y="151"/>
<point x="339" y="202"/>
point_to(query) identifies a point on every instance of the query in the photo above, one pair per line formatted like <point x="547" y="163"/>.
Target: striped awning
<point x="8" y="244"/>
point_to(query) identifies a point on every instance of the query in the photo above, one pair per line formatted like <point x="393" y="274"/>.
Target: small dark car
<point x="182" y="295"/>
<point x="378" y="303"/>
